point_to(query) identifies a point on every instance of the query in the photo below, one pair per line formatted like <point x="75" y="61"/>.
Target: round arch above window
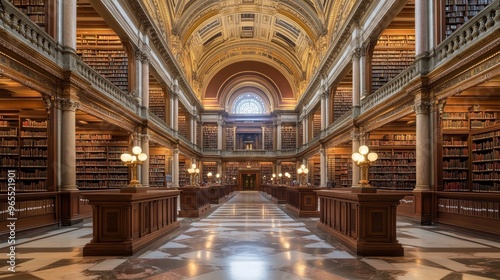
<point x="248" y="103"/>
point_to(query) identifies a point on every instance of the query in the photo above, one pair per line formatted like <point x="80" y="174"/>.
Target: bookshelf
<point x="485" y="157"/>
<point x="208" y="167"/>
<point x="268" y="139"/>
<point x="396" y="164"/>
<point x="105" y="53"/>
<point x="457" y="12"/>
<point x="230" y="171"/>
<point x="157" y="102"/>
<point x="473" y="118"/>
<point x="455" y="164"/>
<point x="210" y="137"/>
<point x="183" y="175"/>
<point x="157" y="167"/>
<point x="316" y="123"/>
<point x="98" y="163"/>
<point x="343" y="171"/>
<point x="484" y="209"/>
<point x="342" y="102"/>
<point x="289" y="167"/>
<point x="24" y="152"/>
<point x="392" y="54"/>
<point x="183" y="125"/>
<point x="266" y="169"/>
<point x="300" y="134"/>
<point x="35" y="10"/>
<point x="229" y="138"/>
<point x="288" y="137"/>
<point x="316" y="173"/>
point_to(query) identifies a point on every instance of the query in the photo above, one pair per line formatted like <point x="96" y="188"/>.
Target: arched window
<point x="248" y="103"/>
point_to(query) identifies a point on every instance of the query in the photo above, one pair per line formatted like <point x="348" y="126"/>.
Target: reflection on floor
<point x="251" y="238"/>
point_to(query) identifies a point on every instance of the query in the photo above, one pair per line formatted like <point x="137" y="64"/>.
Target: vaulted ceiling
<point x="275" y="45"/>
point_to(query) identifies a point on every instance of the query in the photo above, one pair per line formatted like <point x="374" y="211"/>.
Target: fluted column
<point x="68" y="26"/>
<point x="68" y="144"/>
<point x="175" y="111"/>
<point x="423" y="33"/>
<point x="323" y="111"/>
<point x="423" y="145"/>
<point x="362" y="72"/>
<point x="323" y="166"/>
<point x="355" y="147"/>
<point x="145" y="164"/>
<point x="175" y="168"/>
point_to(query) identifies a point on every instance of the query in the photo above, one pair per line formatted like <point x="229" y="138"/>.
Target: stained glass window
<point x="248" y="103"/>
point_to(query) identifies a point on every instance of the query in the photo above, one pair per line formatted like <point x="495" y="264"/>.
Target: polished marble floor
<point x="251" y="238"/>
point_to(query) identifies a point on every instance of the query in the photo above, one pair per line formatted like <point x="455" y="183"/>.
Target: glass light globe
<point x="356" y="156"/>
<point x="193" y="165"/>
<point x="134" y="158"/>
<point x="142" y="156"/>
<point x="126" y="157"/>
<point x="279" y="175"/>
<point x="190" y="170"/>
<point x="302" y="166"/>
<point x="197" y="170"/>
<point x="217" y="175"/>
<point x="287" y="174"/>
<point x="136" y="150"/>
<point x="372" y="156"/>
<point x="363" y="150"/>
<point x="209" y="174"/>
<point x="306" y="171"/>
<point x="299" y="171"/>
<point x="274" y="175"/>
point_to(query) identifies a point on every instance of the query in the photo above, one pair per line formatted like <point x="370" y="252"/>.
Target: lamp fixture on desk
<point x="209" y="175"/>
<point x="302" y="172"/>
<point x="132" y="160"/>
<point x="193" y="171"/>
<point x="363" y="158"/>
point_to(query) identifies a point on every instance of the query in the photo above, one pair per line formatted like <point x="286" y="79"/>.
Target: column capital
<point x="176" y="151"/>
<point x="67" y="104"/>
<point x="47" y="99"/>
<point x="355" y="133"/>
<point x="356" y="53"/>
<point x="422" y="107"/>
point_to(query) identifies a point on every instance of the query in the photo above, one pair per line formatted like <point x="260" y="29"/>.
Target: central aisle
<point x="246" y="238"/>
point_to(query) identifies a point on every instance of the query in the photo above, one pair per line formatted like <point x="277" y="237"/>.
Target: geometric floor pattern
<point x="251" y="238"/>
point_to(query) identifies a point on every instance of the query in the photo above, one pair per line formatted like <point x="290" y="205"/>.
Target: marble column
<point x="175" y="111"/>
<point x="145" y="80"/>
<point x="422" y="27"/>
<point x="323" y="111"/>
<point x="356" y="80"/>
<point x="68" y="26"/>
<point x="68" y="144"/>
<point x="175" y="168"/>
<point x="145" y="165"/>
<point x="323" y="166"/>
<point x="362" y="72"/>
<point x="355" y="147"/>
<point x="220" y="124"/>
<point x="423" y="145"/>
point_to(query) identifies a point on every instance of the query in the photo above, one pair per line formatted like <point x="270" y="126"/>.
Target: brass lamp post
<point x="302" y="172"/>
<point x="363" y="158"/>
<point x="133" y="160"/>
<point x="193" y="171"/>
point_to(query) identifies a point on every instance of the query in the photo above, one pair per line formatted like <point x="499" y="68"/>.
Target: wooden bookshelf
<point x="183" y="124"/>
<point x="208" y="167"/>
<point x="157" y="167"/>
<point x="183" y="174"/>
<point x="458" y="12"/>
<point x="105" y="53"/>
<point x="316" y="174"/>
<point x="269" y="139"/>
<point x="288" y="137"/>
<point x="395" y="167"/>
<point x="289" y="167"/>
<point x="485" y="157"/>
<point x="342" y="102"/>
<point x="455" y="164"/>
<point x="24" y="151"/>
<point x="36" y="10"/>
<point x="266" y="169"/>
<point x="157" y="102"/>
<point x="229" y="138"/>
<point x="98" y="163"/>
<point x="300" y="134"/>
<point x="230" y="172"/>
<point x="392" y="54"/>
<point x="210" y="136"/>
<point x="316" y="123"/>
<point x="473" y="118"/>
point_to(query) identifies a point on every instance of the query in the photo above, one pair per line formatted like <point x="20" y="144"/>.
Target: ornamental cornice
<point x="395" y="114"/>
<point x="91" y="107"/>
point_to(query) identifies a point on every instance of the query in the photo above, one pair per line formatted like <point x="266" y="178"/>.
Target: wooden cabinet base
<point x="124" y="223"/>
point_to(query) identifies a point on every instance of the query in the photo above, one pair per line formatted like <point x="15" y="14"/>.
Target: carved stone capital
<point x="67" y="104"/>
<point x="356" y="53"/>
<point x="422" y="107"/>
<point x="355" y="134"/>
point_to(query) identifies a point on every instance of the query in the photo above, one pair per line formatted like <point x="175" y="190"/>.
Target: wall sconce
<point x="364" y="159"/>
<point x="193" y="171"/>
<point x="302" y="172"/>
<point x="132" y="160"/>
